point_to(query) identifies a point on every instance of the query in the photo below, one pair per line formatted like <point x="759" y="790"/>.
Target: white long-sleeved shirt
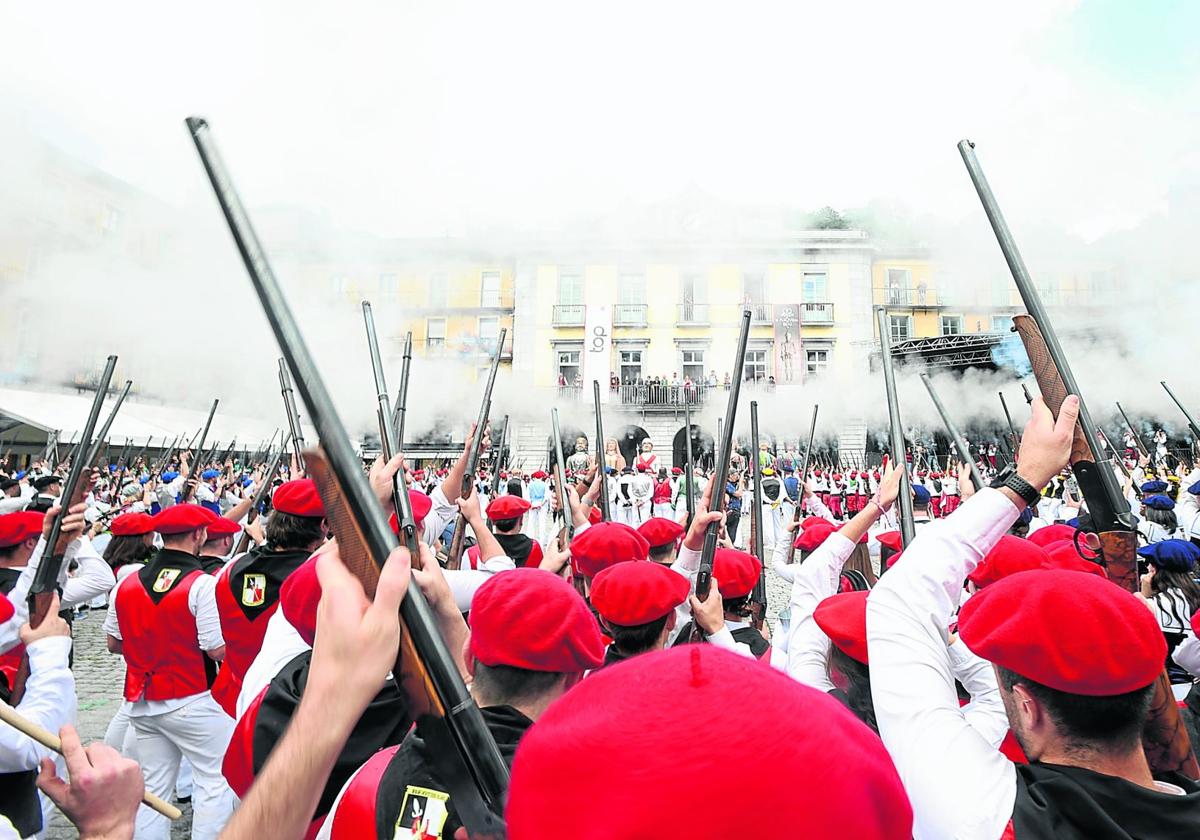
<point x="92" y="577"/>
<point x="687" y="563"/>
<point x="815" y="580"/>
<point x="49" y="702"/>
<point x="10" y="504"/>
<point x="958" y="783"/>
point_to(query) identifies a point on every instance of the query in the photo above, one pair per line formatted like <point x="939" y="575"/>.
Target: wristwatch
<point x="1008" y="477"/>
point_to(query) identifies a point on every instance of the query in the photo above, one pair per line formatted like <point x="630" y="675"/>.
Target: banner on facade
<point x="789" y="364"/>
<point x="597" y="348"/>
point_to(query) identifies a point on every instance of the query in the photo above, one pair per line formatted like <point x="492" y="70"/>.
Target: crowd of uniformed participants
<point x="987" y="681"/>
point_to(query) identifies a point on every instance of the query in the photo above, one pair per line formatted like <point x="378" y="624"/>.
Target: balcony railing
<point x="692" y="314"/>
<point x="568" y="315"/>
<point x="662" y="394"/>
<point x="629" y="315"/>
<point x="816" y="314"/>
<point x="760" y="313"/>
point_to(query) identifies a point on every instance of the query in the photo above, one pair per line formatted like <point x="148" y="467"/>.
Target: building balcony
<point x="568" y="315"/>
<point x="816" y="314"/>
<point x="760" y="313"/>
<point x="692" y="315"/>
<point x="629" y="315"/>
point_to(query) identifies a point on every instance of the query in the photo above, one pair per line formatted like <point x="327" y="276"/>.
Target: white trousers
<point x="199" y="731"/>
<point x="664" y="510"/>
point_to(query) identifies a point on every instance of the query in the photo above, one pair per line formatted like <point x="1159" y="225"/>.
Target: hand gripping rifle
<point x="721" y="472"/>
<point x="689" y="479"/>
<point x="1165" y="739"/>
<point x="960" y="443"/>
<point x="812" y="433"/>
<point x="454" y="557"/>
<point x="758" y="595"/>
<point x="198" y="456"/>
<point x="293" y="417"/>
<point x="896" y="429"/>
<point x="54" y="552"/>
<point x="601" y="464"/>
<point x="463" y="748"/>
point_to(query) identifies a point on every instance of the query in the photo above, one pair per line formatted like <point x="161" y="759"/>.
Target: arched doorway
<point x="629" y="441"/>
<point x="703" y="447"/>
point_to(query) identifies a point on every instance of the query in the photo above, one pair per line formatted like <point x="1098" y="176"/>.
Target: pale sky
<point x="418" y="117"/>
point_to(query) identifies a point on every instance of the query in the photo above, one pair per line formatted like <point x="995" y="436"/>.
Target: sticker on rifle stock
<point x="165" y="580"/>
<point x="422" y="815"/>
<point x="254" y="590"/>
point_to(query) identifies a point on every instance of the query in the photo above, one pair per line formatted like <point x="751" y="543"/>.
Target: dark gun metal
<point x="758" y="595"/>
<point x="293" y="415"/>
<point x="689" y="485"/>
<point x="960" y="443"/>
<point x="400" y="413"/>
<point x="1187" y="415"/>
<point x="896" y="429"/>
<point x="600" y="462"/>
<point x="198" y="456"/>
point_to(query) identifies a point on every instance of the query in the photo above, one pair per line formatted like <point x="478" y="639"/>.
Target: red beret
<point x="659" y="530"/>
<point x="894" y="559"/>
<point x="506" y="507"/>
<point x="1056" y="628"/>
<point x="607" y="544"/>
<point x="1009" y="556"/>
<point x="843" y="618"/>
<point x="1196" y="623"/>
<point x="539" y="474"/>
<point x="533" y="619"/>
<point x="810" y="521"/>
<point x="1062" y="555"/>
<point x="629" y="594"/>
<point x="421" y="505"/>
<point x="132" y="524"/>
<point x="652" y="706"/>
<point x="299" y="595"/>
<point x="219" y="526"/>
<point x="181" y="519"/>
<point x="6" y="608"/>
<point x="892" y="539"/>
<point x="1051" y="534"/>
<point x="299" y="498"/>
<point x="736" y="572"/>
<point x="813" y="536"/>
<point x="17" y="527"/>
<point x="676" y="471"/>
<point x="595" y="515"/>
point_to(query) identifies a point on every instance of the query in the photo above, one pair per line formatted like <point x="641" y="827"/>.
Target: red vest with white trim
<point x="158" y="631"/>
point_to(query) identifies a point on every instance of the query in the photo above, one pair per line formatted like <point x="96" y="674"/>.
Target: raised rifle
<point x="812" y="433"/>
<point x="400" y="413"/>
<point x="560" y="492"/>
<point x="260" y="495"/>
<point x="758" y="595"/>
<point x="689" y="479"/>
<point x="1028" y="396"/>
<point x="93" y="452"/>
<point x="1165" y="739"/>
<point x="1014" y="438"/>
<point x="462" y="748"/>
<point x="1186" y="414"/>
<point x="896" y="429"/>
<point x="454" y="557"/>
<point x="721" y="471"/>
<point x="197" y="464"/>
<point x="161" y="463"/>
<point x="960" y="443"/>
<point x="141" y="453"/>
<point x="1137" y="437"/>
<point x="600" y="462"/>
<point x="503" y="451"/>
<point x="75" y="489"/>
<point x="293" y="416"/>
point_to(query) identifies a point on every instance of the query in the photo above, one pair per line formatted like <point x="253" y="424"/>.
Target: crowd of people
<point x="988" y="679"/>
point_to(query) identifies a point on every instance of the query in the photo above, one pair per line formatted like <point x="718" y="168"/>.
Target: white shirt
<point x="281" y="644"/>
<point x="49" y="702"/>
<point x="202" y="601"/>
<point x="687" y="563"/>
<point x="958" y="783"/>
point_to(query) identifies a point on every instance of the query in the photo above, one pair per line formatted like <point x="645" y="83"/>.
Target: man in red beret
<point x="637" y="602"/>
<point x="507" y="515"/>
<point x="219" y="546"/>
<point x="724" y="618"/>
<point x="247" y="591"/>
<point x="532" y="637"/>
<point x="163" y="620"/>
<point x="663" y="536"/>
<point x="1076" y="658"/>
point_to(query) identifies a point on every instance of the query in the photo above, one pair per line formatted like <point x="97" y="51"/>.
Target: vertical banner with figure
<point x="789" y="364"/>
<point x="597" y="348"/>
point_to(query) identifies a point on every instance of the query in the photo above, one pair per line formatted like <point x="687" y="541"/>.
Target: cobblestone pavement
<point x="98" y="682"/>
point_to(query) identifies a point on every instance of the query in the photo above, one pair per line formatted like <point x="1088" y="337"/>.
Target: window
<point x="389" y="285"/>
<point x="435" y="333"/>
<point x="341" y="285"/>
<point x="816" y="362"/>
<point x="815" y="287"/>
<point x="489" y="329"/>
<point x="899" y="281"/>
<point x="489" y="294"/>
<point x="437" y="290"/>
<point x="693" y="364"/>
<point x="756" y="366"/>
<point x="631" y="366"/>
<point x="754" y="287"/>
<point x="693" y="295"/>
<point x="631" y="288"/>
<point x="1002" y="323"/>
<point x="899" y="328"/>
<point x="568" y="366"/>
<point x="952" y="325"/>
<point x="570" y="288"/>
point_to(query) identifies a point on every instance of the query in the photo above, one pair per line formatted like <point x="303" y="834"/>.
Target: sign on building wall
<point x="789" y="359"/>
<point x="597" y="348"/>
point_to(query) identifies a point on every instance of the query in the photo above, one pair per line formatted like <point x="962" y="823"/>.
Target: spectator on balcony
<point x="689" y="389"/>
<point x="726" y="380"/>
<point x="578" y="380"/>
<point x="711" y="381"/>
<point x="562" y="379"/>
<point x="614" y="381"/>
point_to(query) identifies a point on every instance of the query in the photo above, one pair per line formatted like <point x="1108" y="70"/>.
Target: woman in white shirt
<point x="1170" y="588"/>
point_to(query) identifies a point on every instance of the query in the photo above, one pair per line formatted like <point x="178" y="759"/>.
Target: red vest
<point x="162" y="657"/>
<point x="243" y="641"/>
<point x="354" y="818"/>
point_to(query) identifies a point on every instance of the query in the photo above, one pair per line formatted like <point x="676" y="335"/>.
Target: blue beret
<point x="142" y="479"/>
<point x="1158" y="502"/>
<point x="207" y="474"/>
<point x="1154" y="486"/>
<point x="1194" y="489"/>
<point x="1026" y="516"/>
<point x="788" y="468"/>
<point x="112" y="468"/>
<point x="247" y="481"/>
<point x="610" y="470"/>
<point x="920" y="494"/>
<point x="24" y="473"/>
<point x="1171" y="555"/>
<point x="1073" y="522"/>
<point x="170" y="475"/>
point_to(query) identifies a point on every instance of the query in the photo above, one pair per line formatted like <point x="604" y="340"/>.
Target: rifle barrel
<point x="600" y="462"/>
<point x="896" y="428"/>
<point x="560" y="477"/>
<point x="199" y="455"/>
<point x="94" y="451"/>
<point x="400" y="414"/>
<point x="1190" y="420"/>
<point x="960" y="443"/>
<point x="689" y="485"/>
<point x="1015" y="439"/>
<point x="1137" y="437"/>
<point x="759" y="593"/>
<point x="293" y="416"/>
